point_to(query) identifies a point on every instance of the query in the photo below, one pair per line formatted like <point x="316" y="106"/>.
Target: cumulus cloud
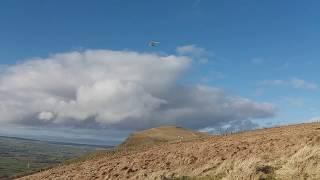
<point x="293" y="82"/>
<point x="116" y="89"/>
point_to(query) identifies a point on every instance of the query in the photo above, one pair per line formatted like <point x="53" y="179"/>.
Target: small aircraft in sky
<point x="153" y="43"/>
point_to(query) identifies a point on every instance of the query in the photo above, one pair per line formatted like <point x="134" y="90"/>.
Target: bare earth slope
<point x="290" y="152"/>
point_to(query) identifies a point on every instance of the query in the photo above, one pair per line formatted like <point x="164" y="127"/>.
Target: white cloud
<point x="293" y="82"/>
<point x="198" y="53"/>
<point x="191" y="50"/>
<point x="300" y="83"/>
<point x="119" y="89"/>
<point x="45" y="115"/>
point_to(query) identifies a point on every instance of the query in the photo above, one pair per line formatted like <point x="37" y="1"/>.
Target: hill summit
<point x="163" y="134"/>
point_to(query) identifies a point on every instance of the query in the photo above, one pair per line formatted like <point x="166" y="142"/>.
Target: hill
<point x="20" y="156"/>
<point x="289" y="152"/>
<point x="164" y="134"/>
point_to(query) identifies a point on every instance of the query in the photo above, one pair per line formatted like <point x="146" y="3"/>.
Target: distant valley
<point x="19" y="156"/>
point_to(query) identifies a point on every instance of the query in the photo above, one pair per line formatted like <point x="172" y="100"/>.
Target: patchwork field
<point x="22" y="156"/>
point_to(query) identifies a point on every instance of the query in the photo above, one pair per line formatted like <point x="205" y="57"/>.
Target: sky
<point x="82" y="71"/>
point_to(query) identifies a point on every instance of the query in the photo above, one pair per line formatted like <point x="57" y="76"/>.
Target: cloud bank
<point x="116" y="89"/>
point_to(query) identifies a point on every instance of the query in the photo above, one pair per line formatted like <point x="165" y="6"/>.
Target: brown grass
<point x="290" y="152"/>
<point x="164" y="134"/>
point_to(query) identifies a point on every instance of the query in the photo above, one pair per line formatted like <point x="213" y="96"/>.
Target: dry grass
<point x="290" y="152"/>
<point x="164" y="134"/>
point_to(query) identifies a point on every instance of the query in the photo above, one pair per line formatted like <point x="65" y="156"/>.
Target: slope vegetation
<point x="290" y="152"/>
<point x="164" y="134"/>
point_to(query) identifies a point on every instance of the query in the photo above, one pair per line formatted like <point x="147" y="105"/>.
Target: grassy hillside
<point x="285" y="153"/>
<point x="19" y="156"/>
<point x="160" y="135"/>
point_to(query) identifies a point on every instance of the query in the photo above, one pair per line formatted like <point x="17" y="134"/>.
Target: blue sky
<point x="266" y="51"/>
